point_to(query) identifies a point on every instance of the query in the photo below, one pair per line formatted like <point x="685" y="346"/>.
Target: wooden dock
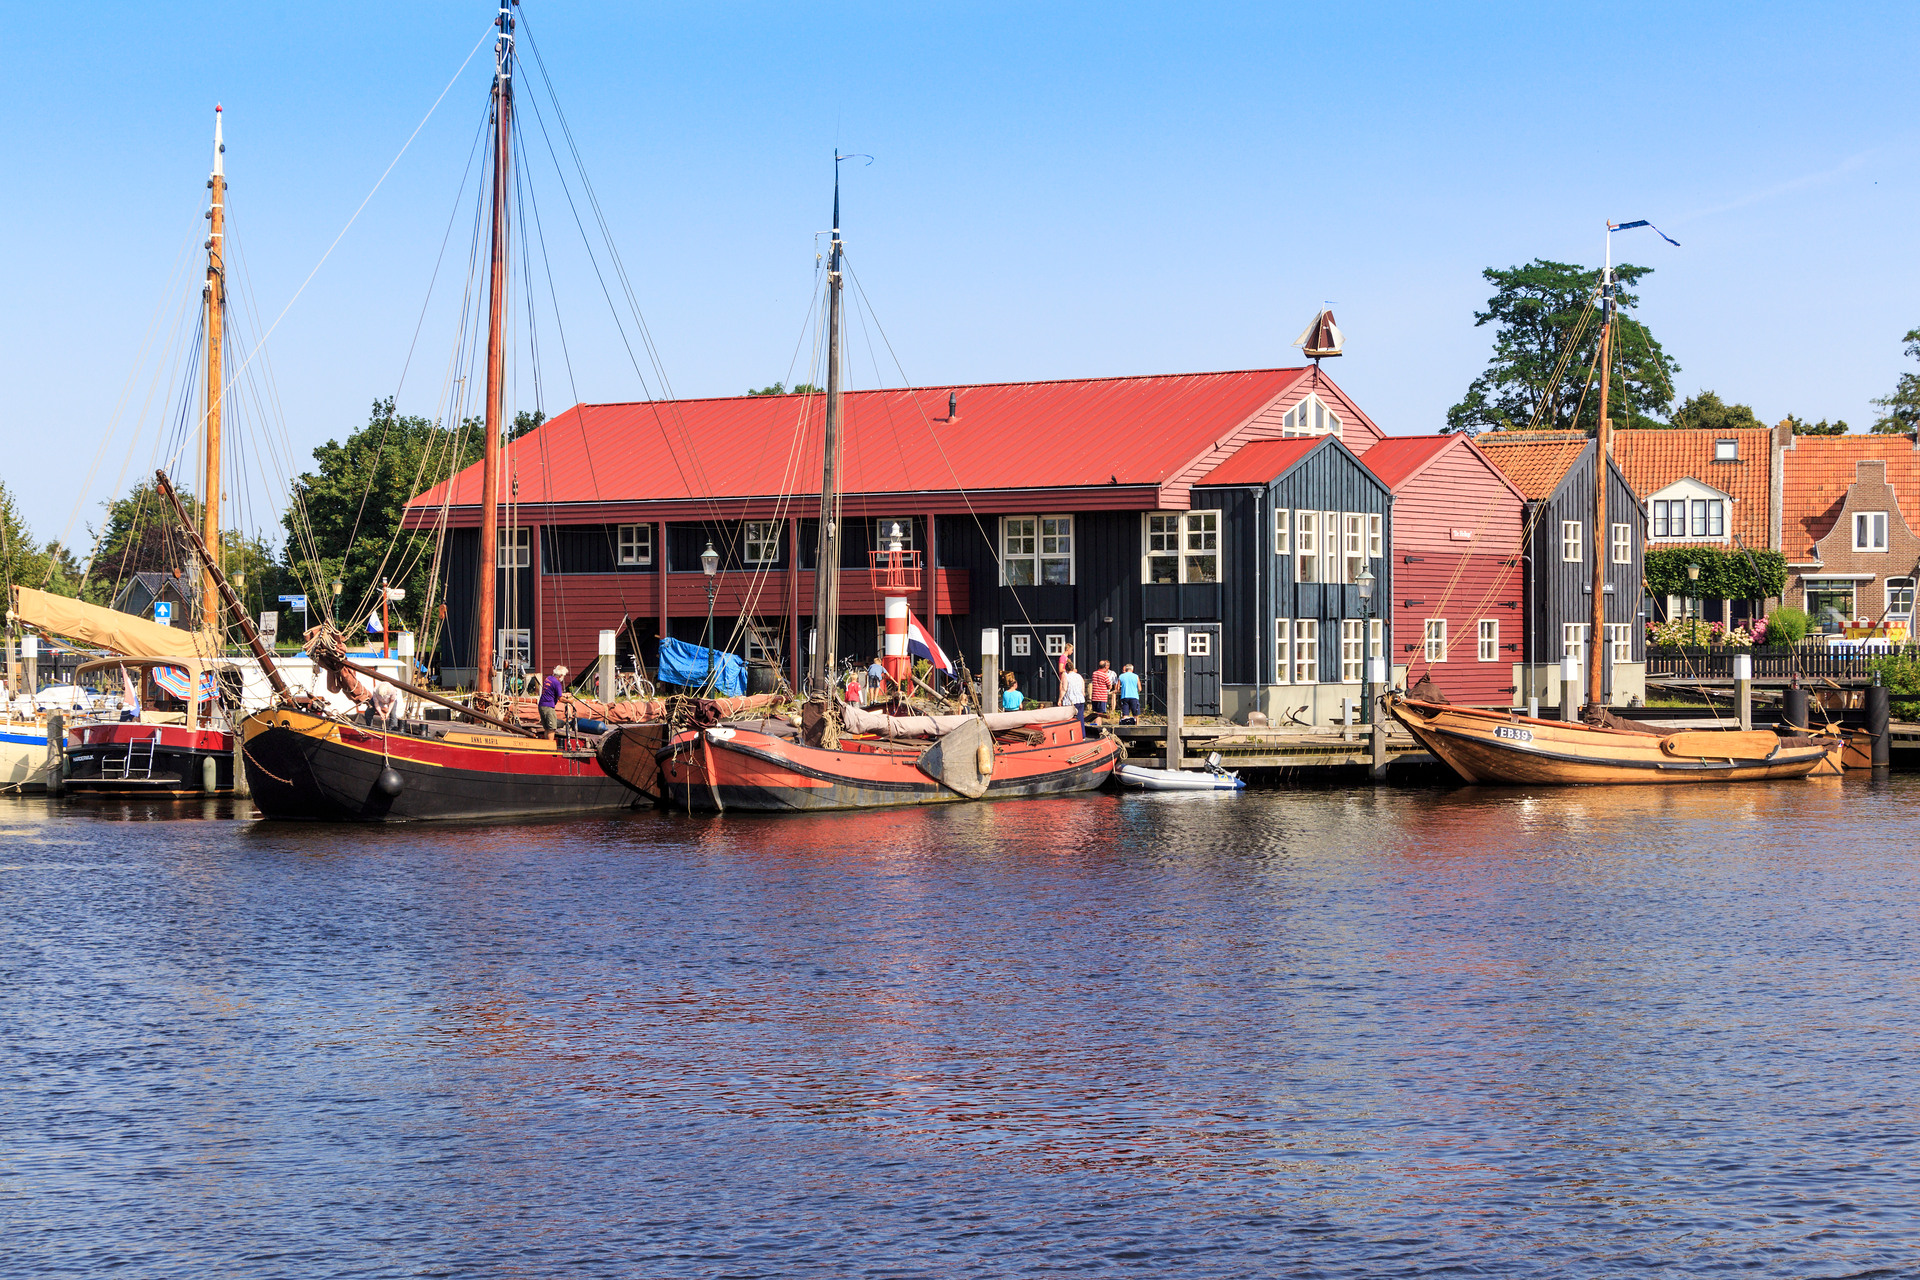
<point x="1241" y="747"/>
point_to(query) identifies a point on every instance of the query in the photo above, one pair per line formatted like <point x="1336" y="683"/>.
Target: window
<point x="1619" y="642"/>
<point x="1671" y="518"/>
<point x="1376" y="643"/>
<point x="760" y="541"/>
<point x="1570" y="540"/>
<point x="1201" y="563"/>
<point x="1489" y="640"/>
<point x="1376" y="536"/>
<point x="763" y="642"/>
<point x="1900" y="597"/>
<point x="1311" y="417"/>
<point x="1436" y="639"/>
<point x="1869" y="531"/>
<point x="1623" y="544"/>
<point x="1037" y="550"/>
<point x="1163" y="548"/>
<point x="1199" y="644"/>
<point x="1663" y="515"/>
<point x="1353" y="642"/>
<point x="636" y="544"/>
<point x="1282" y="650"/>
<point x="513" y="648"/>
<point x="1056" y="644"/>
<point x="1830" y="602"/>
<point x="1282" y="529"/>
<point x="1020" y="646"/>
<point x="1353" y="537"/>
<point x="516" y="549"/>
<point x="1306" y="651"/>
<point x="1709" y="518"/>
<point x="888" y="530"/>
<point x="1726" y="450"/>
<point x="1330" y="546"/>
<point x="1307" y="547"/>
<point x="1183" y="547"/>
<point x="1573" y="639"/>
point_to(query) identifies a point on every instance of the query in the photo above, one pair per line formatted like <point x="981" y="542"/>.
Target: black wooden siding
<point x="1560" y="591"/>
<point x="1329" y="479"/>
<point x="513" y="598"/>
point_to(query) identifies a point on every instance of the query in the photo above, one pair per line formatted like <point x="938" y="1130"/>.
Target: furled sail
<point x="1321" y="337"/>
<point x="123" y="633"/>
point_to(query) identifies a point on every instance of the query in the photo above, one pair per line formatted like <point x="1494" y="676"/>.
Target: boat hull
<point x="98" y="760"/>
<point x="741" y="770"/>
<point x="1146" y="778"/>
<point x="23" y="758"/>
<point x="1496" y="747"/>
<point x="307" y="768"/>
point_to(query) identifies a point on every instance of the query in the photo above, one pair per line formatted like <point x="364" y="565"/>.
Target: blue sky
<point x="1058" y="190"/>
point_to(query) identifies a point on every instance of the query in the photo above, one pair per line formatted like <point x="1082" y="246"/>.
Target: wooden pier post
<point x="1569" y="688"/>
<point x="241" y="787"/>
<point x="1743" y="688"/>
<point x="1793" y="708"/>
<point x="607" y="684"/>
<point x="1176" y="696"/>
<point x="989" y="669"/>
<point x="56" y="754"/>
<point x="1880" y="722"/>
<point x="30" y="651"/>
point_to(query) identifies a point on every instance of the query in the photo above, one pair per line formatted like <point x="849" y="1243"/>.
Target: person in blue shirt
<point x="876" y="681"/>
<point x="1129" y="686"/>
<point x="1010" y="696"/>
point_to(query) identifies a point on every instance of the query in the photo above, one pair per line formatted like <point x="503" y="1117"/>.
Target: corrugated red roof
<point x="1262" y="461"/>
<point x="1398" y="458"/>
<point x="1008" y="436"/>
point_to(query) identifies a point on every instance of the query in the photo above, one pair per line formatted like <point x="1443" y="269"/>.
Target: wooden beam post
<point x="1743" y="688"/>
<point x="989" y="669"/>
<point x="1176" y="696"/>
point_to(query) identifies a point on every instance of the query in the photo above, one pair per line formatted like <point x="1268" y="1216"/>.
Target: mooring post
<point x="1569" y="688"/>
<point x="30" y="652"/>
<point x="1880" y="722"/>
<point x="607" y="639"/>
<point x="241" y="787"/>
<point x="1176" y="696"/>
<point x="1743" y="688"/>
<point x="56" y="754"/>
<point x="1377" y="739"/>
<point x="989" y="669"/>
<point x="1793" y="708"/>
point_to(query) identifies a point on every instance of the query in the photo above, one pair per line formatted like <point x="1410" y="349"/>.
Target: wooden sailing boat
<point x="839" y="757"/>
<point x="303" y="763"/>
<point x="1495" y="746"/>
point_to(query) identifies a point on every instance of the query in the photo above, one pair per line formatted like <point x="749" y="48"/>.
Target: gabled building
<point x="1554" y="471"/>
<point x="1457" y="551"/>
<point x="1091" y="513"/>
<point x="180" y="591"/>
<point x="1852" y="553"/>
<point x="1704" y="488"/>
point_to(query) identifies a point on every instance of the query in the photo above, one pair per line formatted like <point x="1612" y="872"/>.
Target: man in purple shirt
<point x="552" y="689"/>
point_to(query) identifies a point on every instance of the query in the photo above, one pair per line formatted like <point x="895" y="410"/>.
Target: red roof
<point x="1262" y="461"/>
<point x="1154" y="434"/>
<point x="1398" y="459"/>
<point x="1820" y="470"/>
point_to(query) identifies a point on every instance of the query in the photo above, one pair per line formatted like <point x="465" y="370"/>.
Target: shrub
<point x="1789" y="625"/>
<point x="1901" y="674"/>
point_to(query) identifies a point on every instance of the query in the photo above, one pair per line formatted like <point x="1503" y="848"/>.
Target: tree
<point x="781" y="389"/>
<point x="523" y="422"/>
<point x="26" y="563"/>
<point x="1705" y="411"/>
<point x="1838" y="427"/>
<point x="1536" y="310"/>
<point x="1903" y="406"/>
<point x="344" y="522"/>
<point x="142" y="535"/>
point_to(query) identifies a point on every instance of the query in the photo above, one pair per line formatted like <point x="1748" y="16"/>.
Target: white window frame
<point x="759" y="542"/>
<point x="1283" y="651"/>
<point x="1282" y="531"/>
<point x="1619" y="642"/>
<point x="1306" y="546"/>
<point x="514" y="547"/>
<point x="883" y="540"/>
<point x="1197" y="530"/>
<point x="1376" y="535"/>
<point x="762" y="641"/>
<point x="1306" y="651"/>
<point x="1330" y="546"/>
<point x="514" y="640"/>
<point x="1056" y="645"/>
<point x="1623" y="544"/>
<point x="633" y="544"/>
<point x="1489" y="649"/>
<point x="1573" y="639"/>
<point x="1161" y="538"/>
<point x="1707" y="518"/>
<point x="1434" y="637"/>
<point x="1377" y="639"/>
<point x="1019" y="645"/>
<point x="1571" y="549"/>
<point x="1726" y="450"/>
<point x="1874" y="524"/>
<point x="1035" y="541"/>
<point x="1353" y="544"/>
<point x="1893" y="585"/>
<point x="1311" y="417"/>
<point x="1199" y="642"/>
<point x="1353" y="643"/>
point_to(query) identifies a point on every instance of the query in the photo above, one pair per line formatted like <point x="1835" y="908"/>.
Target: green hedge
<point x="1724" y="575"/>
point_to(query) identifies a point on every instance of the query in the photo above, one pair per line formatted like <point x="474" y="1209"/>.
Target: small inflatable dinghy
<point x="1212" y="778"/>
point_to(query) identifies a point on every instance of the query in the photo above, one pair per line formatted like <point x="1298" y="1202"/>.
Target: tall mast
<point x="824" y="661"/>
<point x="1602" y="452"/>
<point x="496" y="349"/>
<point x="214" y="297"/>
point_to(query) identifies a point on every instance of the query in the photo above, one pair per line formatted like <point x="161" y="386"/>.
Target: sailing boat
<point x="1496" y="746"/>
<point x="840" y="757"/>
<point x="304" y="763"/>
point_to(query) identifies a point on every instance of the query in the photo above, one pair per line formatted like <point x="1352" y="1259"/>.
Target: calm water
<point x="1319" y="1033"/>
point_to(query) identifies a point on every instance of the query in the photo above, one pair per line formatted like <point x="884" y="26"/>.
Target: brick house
<point x="1704" y="489"/>
<point x="1852" y="554"/>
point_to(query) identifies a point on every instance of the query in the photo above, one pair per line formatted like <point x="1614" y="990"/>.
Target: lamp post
<point x="1364" y="581"/>
<point x="710" y="565"/>
<point x="1693" y="582"/>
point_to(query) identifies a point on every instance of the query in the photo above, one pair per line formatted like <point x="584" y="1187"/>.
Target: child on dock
<point x="1010" y="696"/>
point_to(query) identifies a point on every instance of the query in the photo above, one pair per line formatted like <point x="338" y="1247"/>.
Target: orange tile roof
<point x="1652" y="458"/>
<point x="1536" y="461"/>
<point x="1819" y="471"/>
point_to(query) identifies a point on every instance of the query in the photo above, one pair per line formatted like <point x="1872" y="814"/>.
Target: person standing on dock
<point x="551" y="691"/>
<point x="1100" y="688"/>
<point x="1011" y="698"/>
<point x="1073" y="692"/>
<point x="1129" y="687"/>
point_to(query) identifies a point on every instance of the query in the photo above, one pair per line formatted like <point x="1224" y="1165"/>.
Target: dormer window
<point x="1311" y="417"/>
<point x="1726" y="450"/>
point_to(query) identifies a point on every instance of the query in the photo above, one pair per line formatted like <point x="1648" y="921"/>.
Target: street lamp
<point x="1693" y="581"/>
<point x="1364" y="581"/>
<point x="710" y="565"/>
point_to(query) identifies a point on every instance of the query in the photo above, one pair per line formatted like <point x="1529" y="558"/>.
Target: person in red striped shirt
<point x="1100" y="688"/>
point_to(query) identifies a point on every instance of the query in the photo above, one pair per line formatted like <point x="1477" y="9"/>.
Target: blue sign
<point x="163" y="611"/>
<point x="298" y="602"/>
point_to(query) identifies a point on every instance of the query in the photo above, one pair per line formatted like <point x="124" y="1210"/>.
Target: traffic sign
<point x="163" y="612"/>
<point x="298" y="602"/>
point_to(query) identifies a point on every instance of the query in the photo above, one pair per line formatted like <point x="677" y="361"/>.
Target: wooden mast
<point x="1602" y="452"/>
<point x="496" y="350"/>
<point x="823" y="663"/>
<point x="214" y="296"/>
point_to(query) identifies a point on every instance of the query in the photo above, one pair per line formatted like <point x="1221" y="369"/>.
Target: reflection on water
<point x="1319" y="1033"/>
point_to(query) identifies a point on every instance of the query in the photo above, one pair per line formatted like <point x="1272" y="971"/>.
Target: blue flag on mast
<point x="1628" y="226"/>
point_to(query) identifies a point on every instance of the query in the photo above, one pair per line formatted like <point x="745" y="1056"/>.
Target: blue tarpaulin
<point x="683" y="663"/>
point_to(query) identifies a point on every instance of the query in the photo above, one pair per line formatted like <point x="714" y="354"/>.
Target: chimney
<point x="1783" y="433"/>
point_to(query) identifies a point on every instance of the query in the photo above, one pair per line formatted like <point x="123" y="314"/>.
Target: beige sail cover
<point x="108" y="628"/>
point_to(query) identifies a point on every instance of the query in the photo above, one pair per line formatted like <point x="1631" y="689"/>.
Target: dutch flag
<point x="921" y="645"/>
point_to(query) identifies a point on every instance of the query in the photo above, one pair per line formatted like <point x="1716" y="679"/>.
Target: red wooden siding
<point x="1462" y="579"/>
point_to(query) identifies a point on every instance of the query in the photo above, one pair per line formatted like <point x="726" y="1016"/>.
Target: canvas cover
<point x="859" y="720"/>
<point x="108" y="628"/>
<point x="686" y="664"/>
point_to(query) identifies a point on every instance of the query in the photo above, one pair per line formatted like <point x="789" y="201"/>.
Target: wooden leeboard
<point x="1721" y="744"/>
<point x="953" y="760"/>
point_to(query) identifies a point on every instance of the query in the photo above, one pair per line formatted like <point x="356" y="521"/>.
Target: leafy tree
<point x="781" y="389"/>
<point x="1903" y="406"/>
<point x="1838" y="427"/>
<point x="1536" y="310"/>
<point x="142" y="535"/>
<point x="1706" y="411"/>
<point x="344" y="522"/>
<point x="27" y="564"/>
<point x="523" y="422"/>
